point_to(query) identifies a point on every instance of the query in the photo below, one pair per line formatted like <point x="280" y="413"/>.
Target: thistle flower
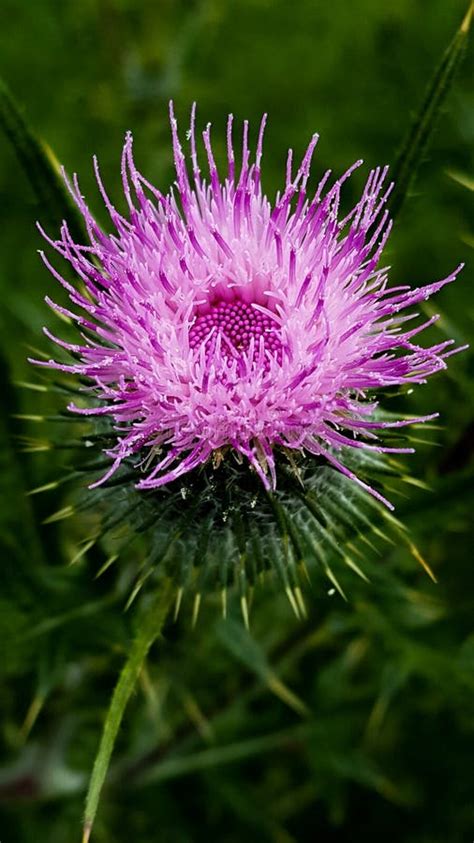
<point x="222" y="332"/>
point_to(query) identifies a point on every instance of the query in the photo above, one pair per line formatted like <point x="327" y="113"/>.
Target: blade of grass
<point x="149" y="630"/>
<point x="238" y="641"/>
<point x="227" y="754"/>
<point x="418" y="138"/>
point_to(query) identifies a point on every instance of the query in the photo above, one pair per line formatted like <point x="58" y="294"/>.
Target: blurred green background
<point x="379" y="741"/>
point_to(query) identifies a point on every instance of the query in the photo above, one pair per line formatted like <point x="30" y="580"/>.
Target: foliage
<point x="356" y="720"/>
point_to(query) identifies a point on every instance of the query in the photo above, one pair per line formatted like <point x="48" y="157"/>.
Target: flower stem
<point x="425" y="120"/>
<point x="40" y="165"/>
<point x="149" y="630"/>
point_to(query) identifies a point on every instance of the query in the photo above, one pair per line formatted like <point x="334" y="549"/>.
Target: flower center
<point x="238" y="322"/>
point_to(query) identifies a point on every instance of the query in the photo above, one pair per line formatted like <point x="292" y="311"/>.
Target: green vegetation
<point x="357" y="722"/>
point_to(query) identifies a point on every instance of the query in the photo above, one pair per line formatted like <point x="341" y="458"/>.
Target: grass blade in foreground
<point x="415" y="146"/>
<point x="39" y="164"/>
<point x="148" y="631"/>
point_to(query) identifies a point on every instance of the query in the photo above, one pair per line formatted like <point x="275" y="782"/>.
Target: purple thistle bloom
<point x="220" y="320"/>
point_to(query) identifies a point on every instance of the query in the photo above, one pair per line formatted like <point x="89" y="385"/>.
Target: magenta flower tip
<point x="216" y="319"/>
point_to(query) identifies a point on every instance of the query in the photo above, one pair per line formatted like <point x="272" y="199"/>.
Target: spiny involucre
<point x="215" y="321"/>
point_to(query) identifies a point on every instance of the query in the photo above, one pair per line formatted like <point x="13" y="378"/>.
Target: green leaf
<point x="149" y="630"/>
<point x="249" y="652"/>
<point x="40" y="165"/>
<point x="418" y="138"/>
<point x="226" y="754"/>
<point x="463" y="179"/>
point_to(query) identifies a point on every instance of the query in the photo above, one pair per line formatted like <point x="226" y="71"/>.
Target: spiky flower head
<point x="219" y="327"/>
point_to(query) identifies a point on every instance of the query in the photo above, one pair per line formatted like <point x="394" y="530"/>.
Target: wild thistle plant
<point x="225" y="389"/>
<point x="232" y="350"/>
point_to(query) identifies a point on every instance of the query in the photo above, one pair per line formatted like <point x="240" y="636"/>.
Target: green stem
<point x="149" y="630"/>
<point x="40" y="166"/>
<point x="425" y="120"/>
